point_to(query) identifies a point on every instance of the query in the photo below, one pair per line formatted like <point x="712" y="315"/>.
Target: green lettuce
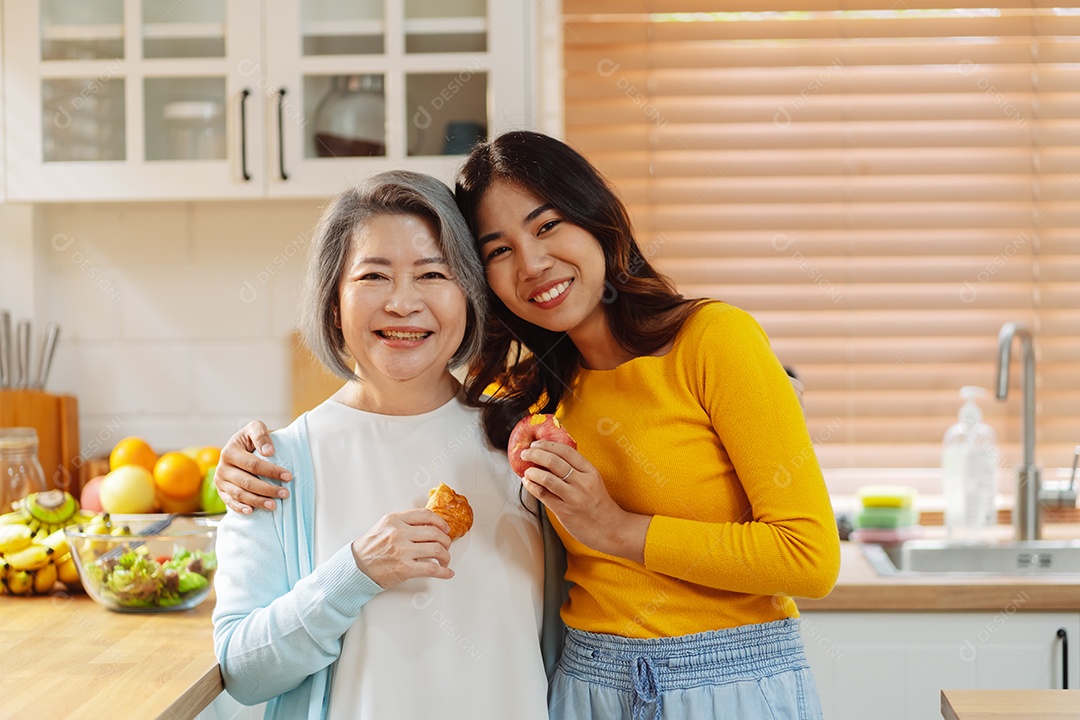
<point x="137" y="580"/>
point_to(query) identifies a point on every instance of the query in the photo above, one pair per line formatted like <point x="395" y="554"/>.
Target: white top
<point x="429" y="648"/>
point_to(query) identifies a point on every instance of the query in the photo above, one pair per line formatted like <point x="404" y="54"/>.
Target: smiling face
<point x="546" y="270"/>
<point x="400" y="309"/>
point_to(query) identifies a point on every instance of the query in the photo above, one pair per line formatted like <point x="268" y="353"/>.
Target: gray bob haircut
<point x="389" y="193"/>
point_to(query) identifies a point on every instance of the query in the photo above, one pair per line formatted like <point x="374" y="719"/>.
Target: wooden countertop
<point x="1009" y="704"/>
<point x="861" y="588"/>
<point x="66" y="656"/>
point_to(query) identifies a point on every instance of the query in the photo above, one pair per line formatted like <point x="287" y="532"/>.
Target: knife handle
<point x="48" y="348"/>
<point x="22" y="342"/>
<point x="5" y="350"/>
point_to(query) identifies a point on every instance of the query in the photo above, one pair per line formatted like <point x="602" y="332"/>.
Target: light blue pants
<point x="748" y="672"/>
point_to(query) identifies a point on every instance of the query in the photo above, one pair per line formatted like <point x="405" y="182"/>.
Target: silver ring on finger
<point x="567" y="473"/>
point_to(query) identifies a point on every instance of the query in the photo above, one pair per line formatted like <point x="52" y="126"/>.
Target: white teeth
<point x="553" y="292"/>
<point x="397" y="335"/>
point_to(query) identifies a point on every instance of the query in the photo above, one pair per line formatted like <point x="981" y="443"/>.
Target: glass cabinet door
<point x="184" y="115"/>
<point x="83" y="118"/>
<point x="381" y="84"/>
<point x="132" y="99"/>
<point x="448" y="108"/>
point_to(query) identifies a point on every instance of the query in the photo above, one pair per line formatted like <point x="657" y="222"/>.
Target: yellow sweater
<point x="710" y="440"/>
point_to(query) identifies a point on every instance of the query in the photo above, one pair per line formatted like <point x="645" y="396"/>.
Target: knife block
<point x="56" y="419"/>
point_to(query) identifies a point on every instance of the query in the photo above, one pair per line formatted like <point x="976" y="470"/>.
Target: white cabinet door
<point x="895" y="664"/>
<point x="131" y="99"/>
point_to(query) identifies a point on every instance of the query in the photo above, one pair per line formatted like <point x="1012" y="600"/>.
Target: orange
<point x="177" y="475"/>
<point x="207" y="458"/>
<point x="179" y="505"/>
<point x="132" y="451"/>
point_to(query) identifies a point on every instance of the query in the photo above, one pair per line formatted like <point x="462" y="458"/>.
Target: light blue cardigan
<point x="279" y="619"/>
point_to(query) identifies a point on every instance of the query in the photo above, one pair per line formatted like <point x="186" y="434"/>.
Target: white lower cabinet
<point x="224" y="707"/>
<point x="895" y="664"/>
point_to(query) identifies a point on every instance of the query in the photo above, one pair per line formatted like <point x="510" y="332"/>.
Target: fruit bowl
<point x="153" y="563"/>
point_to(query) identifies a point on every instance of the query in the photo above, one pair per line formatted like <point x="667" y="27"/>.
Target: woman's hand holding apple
<point x="556" y="474"/>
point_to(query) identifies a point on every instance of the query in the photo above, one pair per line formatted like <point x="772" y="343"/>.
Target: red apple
<point x="534" y="427"/>
<point x="89" y="498"/>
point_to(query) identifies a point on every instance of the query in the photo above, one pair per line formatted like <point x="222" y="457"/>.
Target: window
<point x="883" y="188"/>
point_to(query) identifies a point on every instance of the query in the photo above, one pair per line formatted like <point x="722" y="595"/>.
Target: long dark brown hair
<point x="530" y="364"/>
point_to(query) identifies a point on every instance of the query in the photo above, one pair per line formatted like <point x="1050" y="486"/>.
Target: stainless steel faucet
<point x="1026" y="517"/>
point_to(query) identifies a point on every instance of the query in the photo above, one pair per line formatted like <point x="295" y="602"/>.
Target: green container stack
<point x="887" y="514"/>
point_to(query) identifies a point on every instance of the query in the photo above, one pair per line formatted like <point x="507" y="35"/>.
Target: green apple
<point x="211" y="499"/>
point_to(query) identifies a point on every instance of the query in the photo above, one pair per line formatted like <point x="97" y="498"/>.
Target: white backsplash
<point x="175" y="316"/>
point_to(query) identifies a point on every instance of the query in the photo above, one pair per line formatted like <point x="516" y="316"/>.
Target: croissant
<point x="451" y="507"/>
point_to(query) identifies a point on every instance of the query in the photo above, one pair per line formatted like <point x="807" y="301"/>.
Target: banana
<point x="82" y="517"/>
<point x="121" y="531"/>
<point x="68" y="572"/>
<point x="45" y="579"/>
<point x="20" y="582"/>
<point x="98" y="526"/>
<point x="18" y="517"/>
<point x="5" y="569"/>
<point x="104" y="519"/>
<point x="57" y="540"/>
<point x="14" y="538"/>
<point x="33" y="557"/>
<point x="34" y="524"/>
<point x="51" y="506"/>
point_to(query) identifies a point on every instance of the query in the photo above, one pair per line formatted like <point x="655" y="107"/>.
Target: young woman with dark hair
<point x="643" y="308"/>
<point x="694" y="508"/>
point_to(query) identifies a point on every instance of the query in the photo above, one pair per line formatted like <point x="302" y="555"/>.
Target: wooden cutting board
<point x="56" y="419"/>
<point x="311" y="382"/>
<point x="1009" y="704"/>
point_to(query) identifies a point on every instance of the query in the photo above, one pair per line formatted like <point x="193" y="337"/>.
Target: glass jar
<point x="195" y="130"/>
<point x="351" y="120"/>
<point x="20" y="469"/>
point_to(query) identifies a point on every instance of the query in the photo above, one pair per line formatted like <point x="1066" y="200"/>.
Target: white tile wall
<point x="185" y="301"/>
<point x="176" y="316"/>
<point x="106" y="234"/>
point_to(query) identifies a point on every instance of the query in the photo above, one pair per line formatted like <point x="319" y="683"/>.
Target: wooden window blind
<point x="881" y="184"/>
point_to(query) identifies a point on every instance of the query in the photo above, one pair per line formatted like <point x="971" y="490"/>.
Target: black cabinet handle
<point x="1064" y="635"/>
<point x="243" y="134"/>
<point x="281" y="133"/>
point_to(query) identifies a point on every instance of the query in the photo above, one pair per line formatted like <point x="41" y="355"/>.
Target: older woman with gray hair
<point x="348" y="600"/>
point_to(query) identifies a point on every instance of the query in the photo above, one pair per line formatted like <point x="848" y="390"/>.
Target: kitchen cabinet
<point x="895" y="664"/>
<point x="220" y="99"/>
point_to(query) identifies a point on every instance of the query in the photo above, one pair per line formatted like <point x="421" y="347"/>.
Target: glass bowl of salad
<point x="145" y="563"/>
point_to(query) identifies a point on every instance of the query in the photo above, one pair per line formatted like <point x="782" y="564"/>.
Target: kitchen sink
<point x="932" y="557"/>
